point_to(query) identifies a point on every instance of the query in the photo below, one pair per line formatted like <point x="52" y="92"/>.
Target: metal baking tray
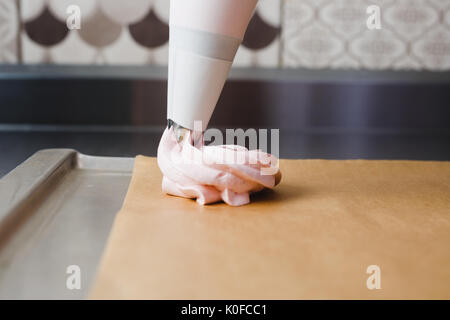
<point x="57" y="210"/>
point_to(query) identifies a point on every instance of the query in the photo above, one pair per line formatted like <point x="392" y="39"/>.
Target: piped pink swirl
<point x="213" y="173"/>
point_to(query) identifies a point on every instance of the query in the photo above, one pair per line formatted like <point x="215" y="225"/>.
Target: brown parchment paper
<point x="314" y="236"/>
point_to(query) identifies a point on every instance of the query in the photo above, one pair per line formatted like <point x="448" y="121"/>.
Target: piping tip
<point x="182" y="133"/>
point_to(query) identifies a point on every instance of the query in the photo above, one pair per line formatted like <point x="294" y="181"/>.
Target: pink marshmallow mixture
<point x="213" y="173"/>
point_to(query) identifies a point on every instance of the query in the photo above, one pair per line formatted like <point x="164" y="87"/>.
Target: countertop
<point x="17" y="143"/>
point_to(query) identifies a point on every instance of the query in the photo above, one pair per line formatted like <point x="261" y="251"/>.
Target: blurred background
<point x="312" y="68"/>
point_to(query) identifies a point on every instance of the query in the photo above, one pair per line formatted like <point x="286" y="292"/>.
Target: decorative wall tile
<point x="377" y="49"/>
<point x="112" y="32"/>
<point x="59" y="7"/>
<point x="9" y="26"/>
<point x="343" y="17"/>
<point x="410" y="18"/>
<point x="415" y="34"/>
<point x="261" y="45"/>
<point x="433" y="50"/>
<point x="319" y="47"/>
<point x="129" y="32"/>
<point x="125" y="12"/>
<point x="73" y="50"/>
<point x="31" y="9"/>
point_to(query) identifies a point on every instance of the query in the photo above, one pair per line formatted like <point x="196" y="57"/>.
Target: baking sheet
<point x="313" y="237"/>
<point x="56" y="210"/>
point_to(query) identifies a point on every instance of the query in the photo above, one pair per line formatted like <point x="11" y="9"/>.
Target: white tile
<point x="9" y="26"/>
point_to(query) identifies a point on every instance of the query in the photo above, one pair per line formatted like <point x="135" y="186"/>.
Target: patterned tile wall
<point x="128" y="32"/>
<point x="415" y="34"/>
<point x="112" y="32"/>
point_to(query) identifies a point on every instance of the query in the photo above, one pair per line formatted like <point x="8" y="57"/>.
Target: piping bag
<point x="204" y="39"/>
